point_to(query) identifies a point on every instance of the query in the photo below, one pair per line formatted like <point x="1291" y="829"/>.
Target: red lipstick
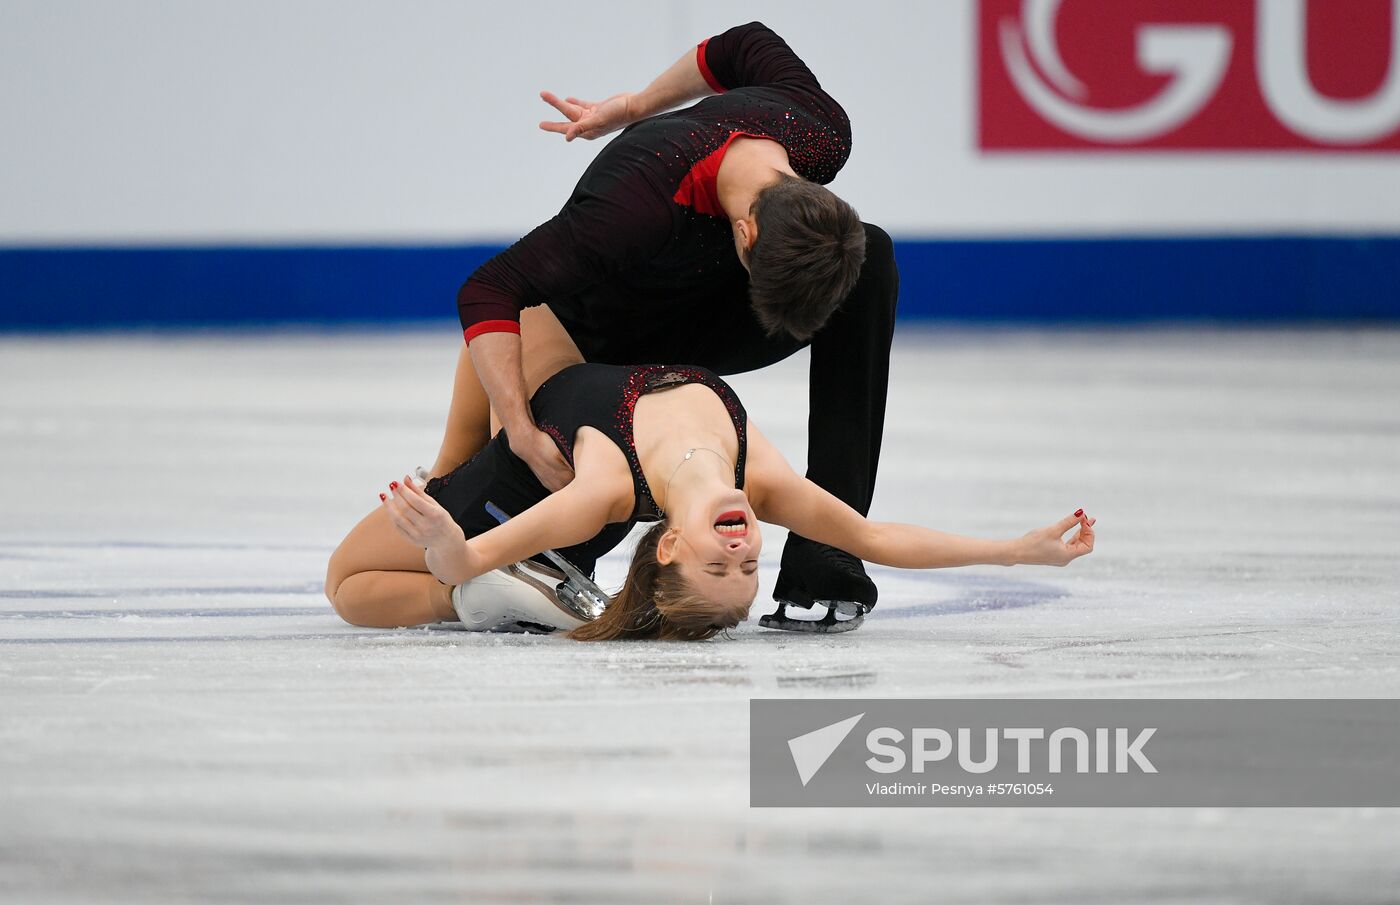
<point x="734" y="523"/>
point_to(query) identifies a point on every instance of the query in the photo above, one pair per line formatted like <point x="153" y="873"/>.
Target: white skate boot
<point x="521" y="597"/>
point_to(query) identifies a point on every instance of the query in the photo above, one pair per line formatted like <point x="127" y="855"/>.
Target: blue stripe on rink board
<point x="1117" y="280"/>
<point x="1131" y="280"/>
<point x="209" y="286"/>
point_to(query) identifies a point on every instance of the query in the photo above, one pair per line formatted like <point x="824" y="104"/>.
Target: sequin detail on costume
<point x="605" y="397"/>
<point x="652" y="378"/>
<point x="565" y="446"/>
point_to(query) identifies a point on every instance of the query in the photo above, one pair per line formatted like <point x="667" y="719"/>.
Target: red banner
<point x="1189" y="74"/>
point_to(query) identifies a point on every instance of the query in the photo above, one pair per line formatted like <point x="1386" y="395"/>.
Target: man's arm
<point x="683" y="82"/>
<point x="751" y="56"/>
<point x="499" y="366"/>
<point x="583" y="245"/>
<point x="745" y="55"/>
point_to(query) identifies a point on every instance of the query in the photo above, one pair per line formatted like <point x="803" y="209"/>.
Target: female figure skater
<point x="652" y="442"/>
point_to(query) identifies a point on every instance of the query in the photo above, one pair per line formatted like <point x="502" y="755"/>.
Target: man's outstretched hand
<point x="590" y="119"/>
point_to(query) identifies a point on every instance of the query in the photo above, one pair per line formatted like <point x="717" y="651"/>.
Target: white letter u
<point x="1283" y="77"/>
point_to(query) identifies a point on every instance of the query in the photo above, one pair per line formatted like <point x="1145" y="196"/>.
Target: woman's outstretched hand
<point x="424" y="523"/>
<point x="1045" y="546"/>
<point x="589" y="119"/>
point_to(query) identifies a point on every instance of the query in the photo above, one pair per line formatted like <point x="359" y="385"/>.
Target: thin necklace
<point x="688" y="453"/>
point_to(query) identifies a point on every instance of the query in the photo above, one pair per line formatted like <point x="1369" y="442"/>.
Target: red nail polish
<point x="1078" y="513"/>
<point x="393" y="485"/>
<point x="382" y="498"/>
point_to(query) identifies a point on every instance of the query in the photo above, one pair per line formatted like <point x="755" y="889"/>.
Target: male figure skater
<point x="703" y="236"/>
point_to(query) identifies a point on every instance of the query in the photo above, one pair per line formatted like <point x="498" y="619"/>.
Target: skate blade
<point x="443" y="627"/>
<point x="827" y="625"/>
<point x="521" y="627"/>
<point x="844" y="607"/>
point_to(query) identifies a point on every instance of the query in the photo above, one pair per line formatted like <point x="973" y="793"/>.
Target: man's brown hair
<point x="808" y="254"/>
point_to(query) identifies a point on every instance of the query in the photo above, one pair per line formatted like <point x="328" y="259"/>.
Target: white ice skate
<point x="521" y="597"/>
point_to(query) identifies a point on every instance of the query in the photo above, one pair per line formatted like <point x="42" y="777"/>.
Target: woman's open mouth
<point x="732" y="524"/>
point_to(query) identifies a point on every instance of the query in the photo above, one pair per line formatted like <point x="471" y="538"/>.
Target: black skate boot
<point x="814" y="573"/>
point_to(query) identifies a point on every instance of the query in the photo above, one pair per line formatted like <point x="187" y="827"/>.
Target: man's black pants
<point x="849" y="375"/>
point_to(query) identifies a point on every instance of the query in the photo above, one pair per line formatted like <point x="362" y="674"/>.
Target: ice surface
<point x="183" y="719"/>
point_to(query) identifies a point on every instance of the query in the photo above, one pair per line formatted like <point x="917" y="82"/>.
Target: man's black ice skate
<point x="814" y="573"/>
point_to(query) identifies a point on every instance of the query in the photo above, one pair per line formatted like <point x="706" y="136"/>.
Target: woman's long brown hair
<point x="656" y="603"/>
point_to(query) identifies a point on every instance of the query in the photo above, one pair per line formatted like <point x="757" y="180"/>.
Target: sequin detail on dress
<point x="605" y="397"/>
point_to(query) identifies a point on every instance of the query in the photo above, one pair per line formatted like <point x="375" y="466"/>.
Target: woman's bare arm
<point x="564" y="518"/>
<point x="781" y="496"/>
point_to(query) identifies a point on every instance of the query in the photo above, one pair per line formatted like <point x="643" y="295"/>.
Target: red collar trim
<point x="697" y="190"/>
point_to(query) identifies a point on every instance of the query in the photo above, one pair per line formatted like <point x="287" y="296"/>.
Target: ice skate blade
<point x="844" y="607"/>
<point x="509" y="628"/>
<point x="827" y="625"/>
<point x="811" y="626"/>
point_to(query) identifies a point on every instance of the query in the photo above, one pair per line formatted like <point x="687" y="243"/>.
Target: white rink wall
<point x="414" y="122"/>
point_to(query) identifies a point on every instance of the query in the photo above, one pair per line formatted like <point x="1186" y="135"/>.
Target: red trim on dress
<point x="705" y="72"/>
<point x="480" y="327"/>
<point x="698" y="190"/>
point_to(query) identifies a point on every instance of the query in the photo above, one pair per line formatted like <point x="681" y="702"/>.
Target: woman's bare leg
<point x="545" y="349"/>
<point x="468" y="418"/>
<point x="377" y="578"/>
<point x="545" y="346"/>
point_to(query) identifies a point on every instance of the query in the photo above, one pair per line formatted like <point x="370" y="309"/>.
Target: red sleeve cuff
<point x="481" y="327"/>
<point x="705" y="72"/>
